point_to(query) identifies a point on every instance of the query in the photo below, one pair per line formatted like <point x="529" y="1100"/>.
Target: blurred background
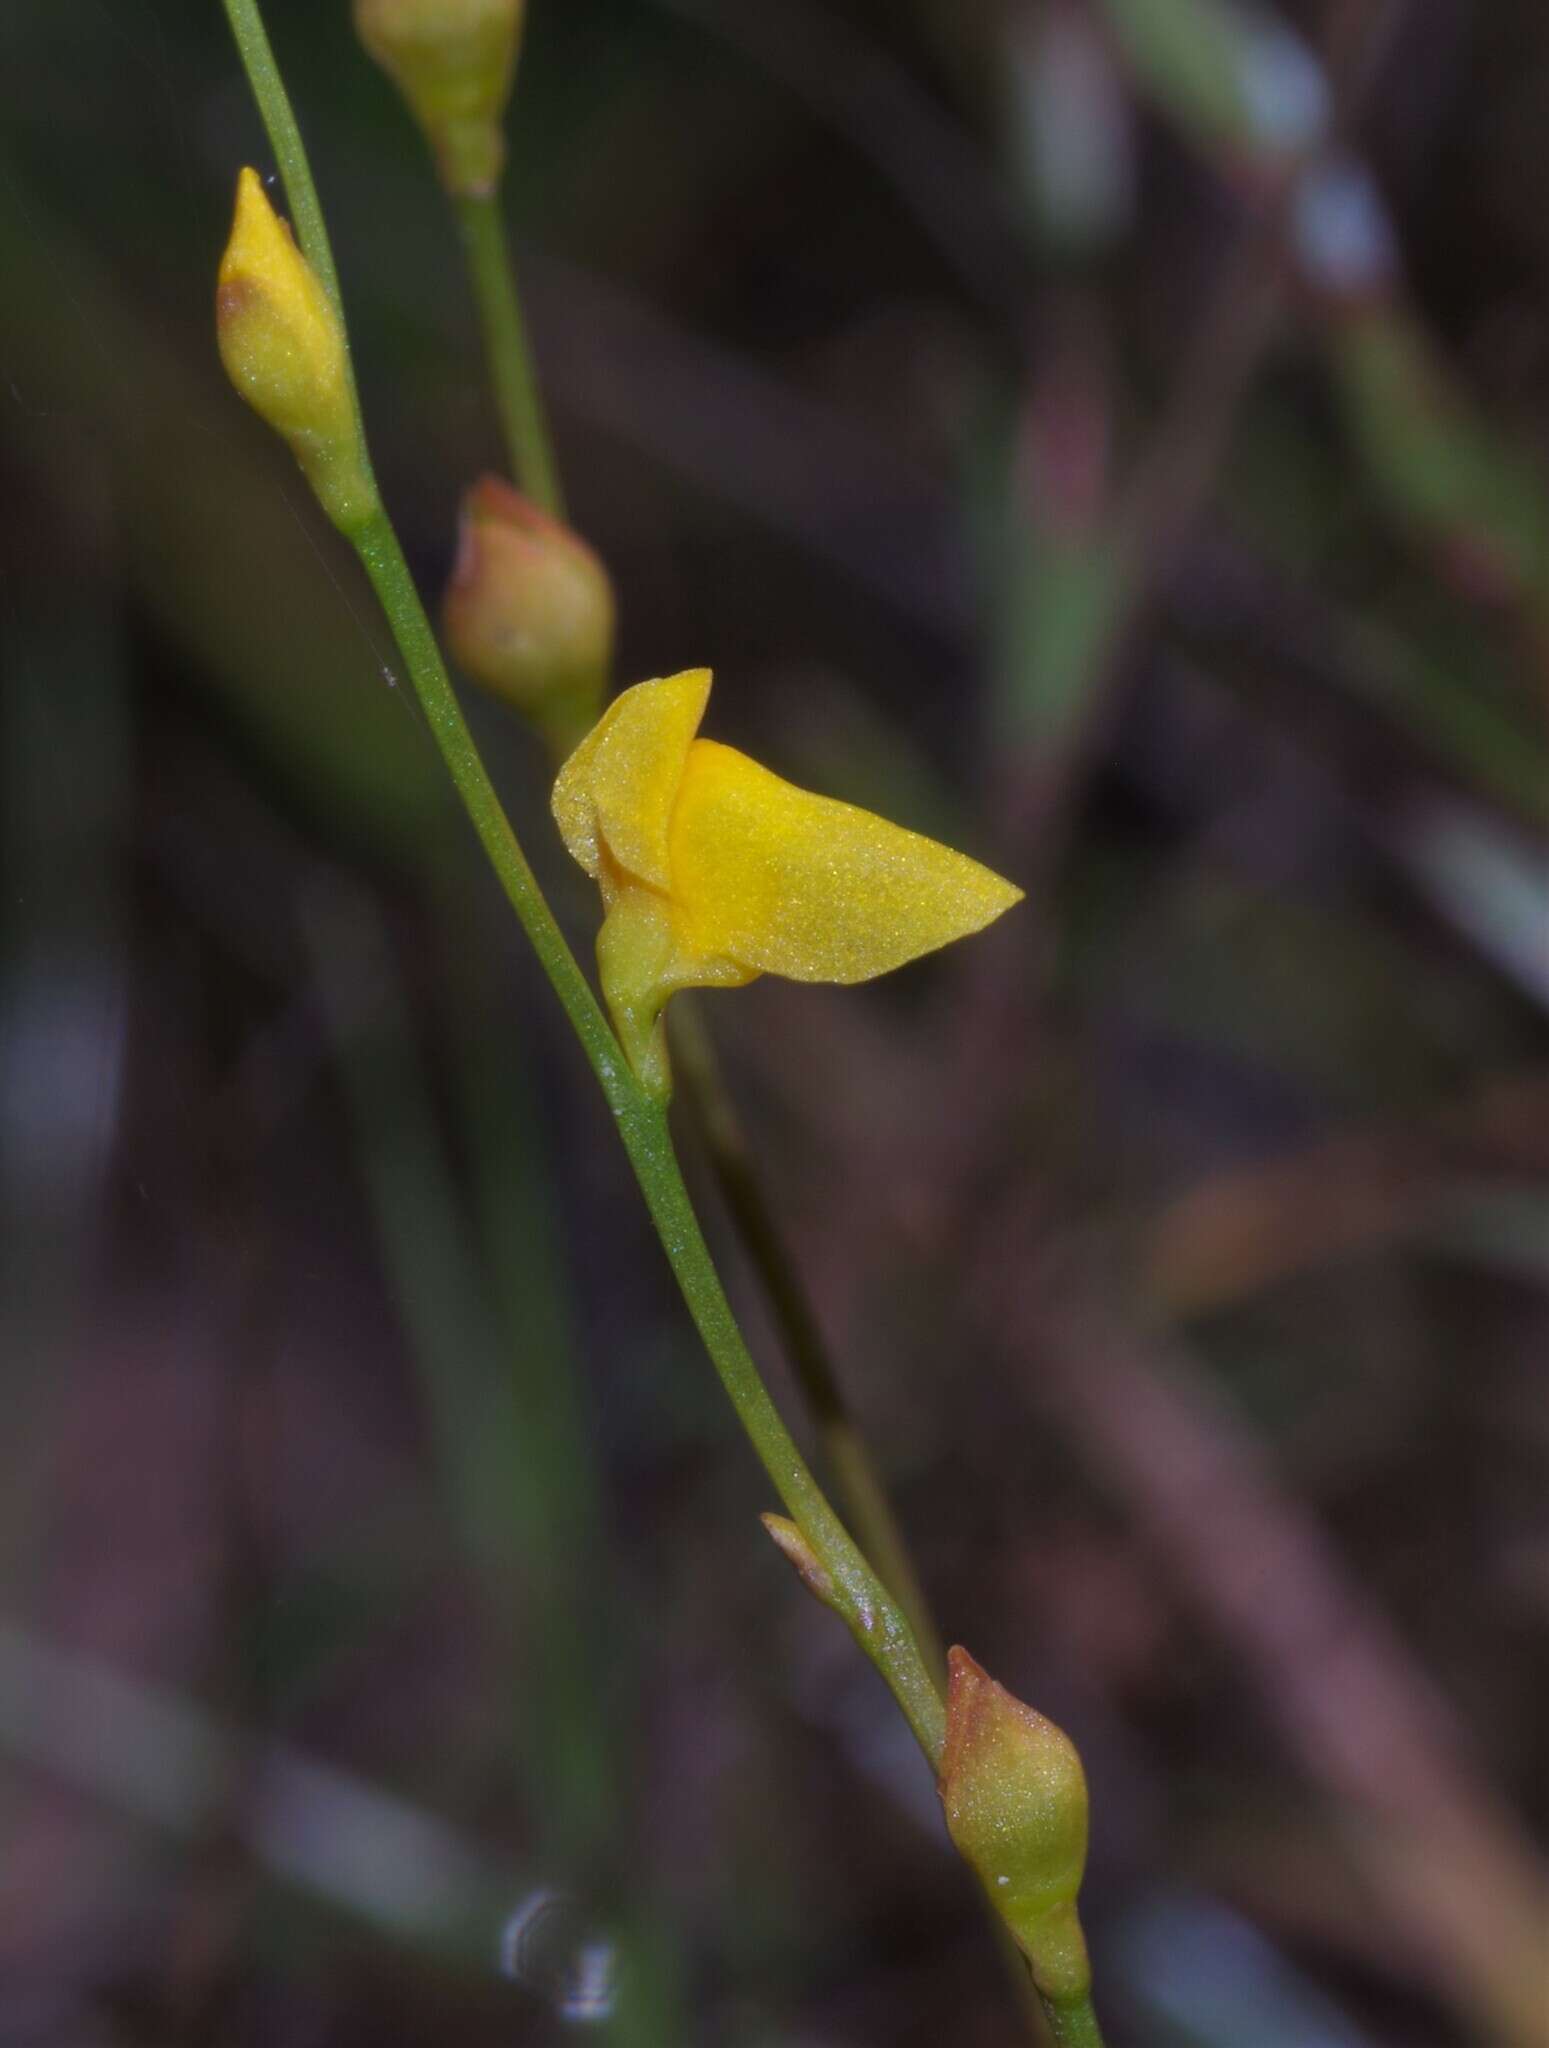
<point x="1112" y="435"/>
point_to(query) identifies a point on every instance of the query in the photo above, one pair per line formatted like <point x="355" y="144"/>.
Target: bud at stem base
<point x="1014" y="1795"/>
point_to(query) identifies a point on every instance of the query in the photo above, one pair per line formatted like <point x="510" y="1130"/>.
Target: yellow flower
<point x="713" y="870"/>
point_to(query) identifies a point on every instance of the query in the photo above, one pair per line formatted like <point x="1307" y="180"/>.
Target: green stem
<point x="507" y="353"/>
<point x="518" y="397"/>
<point x="842" y="1444"/>
<point x="1073" y="2023"/>
<point x="874" y="1617"/>
<point x="844" y="1448"/>
<point x="377" y="545"/>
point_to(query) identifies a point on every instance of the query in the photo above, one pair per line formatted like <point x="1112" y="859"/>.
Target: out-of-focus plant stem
<point x="512" y="376"/>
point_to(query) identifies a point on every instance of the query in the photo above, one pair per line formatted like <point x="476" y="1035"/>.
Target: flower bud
<point x="1015" y="1799"/>
<point x="282" y="341"/>
<point x="529" y="612"/>
<point x="453" y="61"/>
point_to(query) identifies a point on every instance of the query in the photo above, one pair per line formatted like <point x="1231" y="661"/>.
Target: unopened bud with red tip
<point x="282" y="342"/>
<point x="529" y="612"/>
<point x="453" y="61"/>
<point x="1015" y="1799"/>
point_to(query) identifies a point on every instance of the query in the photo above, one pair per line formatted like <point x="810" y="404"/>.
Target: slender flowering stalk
<point x="845" y="1452"/>
<point x="703" y="1086"/>
<point x="872" y="1614"/>
<point x="422" y="43"/>
<point x="688" y="824"/>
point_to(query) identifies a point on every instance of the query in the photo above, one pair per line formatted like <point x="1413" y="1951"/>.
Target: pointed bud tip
<point x="251" y="194"/>
<point x="492" y="502"/>
<point x="963" y="1668"/>
<point x="260" y="241"/>
<point x="974" y="1699"/>
<point x="491" y="497"/>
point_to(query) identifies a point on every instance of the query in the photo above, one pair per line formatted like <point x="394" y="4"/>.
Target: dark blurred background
<point x="1110" y="434"/>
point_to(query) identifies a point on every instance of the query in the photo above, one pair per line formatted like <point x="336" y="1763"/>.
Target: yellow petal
<point x="619" y="787"/>
<point x="789" y="883"/>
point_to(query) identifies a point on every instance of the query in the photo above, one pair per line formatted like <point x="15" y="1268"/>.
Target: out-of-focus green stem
<point x="511" y="373"/>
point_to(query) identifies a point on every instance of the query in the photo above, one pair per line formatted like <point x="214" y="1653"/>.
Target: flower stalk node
<point x="804" y="1560"/>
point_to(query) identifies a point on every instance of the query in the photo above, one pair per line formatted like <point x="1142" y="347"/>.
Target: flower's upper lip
<point x="620" y="785"/>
